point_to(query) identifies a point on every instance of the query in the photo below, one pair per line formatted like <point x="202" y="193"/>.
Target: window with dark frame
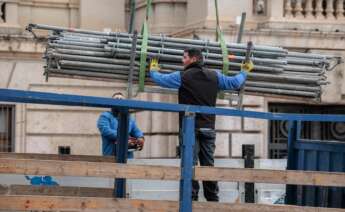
<point x="278" y="130"/>
<point x="6" y="128"/>
<point x="64" y="150"/>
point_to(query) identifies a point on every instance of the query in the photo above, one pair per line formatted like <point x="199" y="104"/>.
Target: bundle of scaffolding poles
<point x="78" y="53"/>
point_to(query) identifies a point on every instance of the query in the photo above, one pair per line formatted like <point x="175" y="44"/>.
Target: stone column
<point x="340" y="10"/>
<point x="319" y="10"/>
<point x="309" y="9"/>
<point x="288" y="9"/>
<point x="299" y="9"/>
<point x="330" y="10"/>
<point x="1" y="20"/>
<point x="276" y="9"/>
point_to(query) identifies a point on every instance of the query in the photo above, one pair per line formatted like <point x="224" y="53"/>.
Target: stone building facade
<point x="300" y="25"/>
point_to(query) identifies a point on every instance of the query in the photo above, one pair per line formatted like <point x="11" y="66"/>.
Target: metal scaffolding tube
<point x="158" y="38"/>
<point x="125" y="53"/>
<point x="208" y="55"/>
<point x="291" y="60"/>
<point x="86" y="48"/>
<point x="81" y="58"/>
<point x="120" y="77"/>
<point x="113" y="35"/>
<point x="76" y="43"/>
<point x="102" y="55"/>
<point x="291" y="68"/>
<point x="256" y="76"/>
<point x="282" y="86"/>
<point x="280" y="78"/>
<point x="87" y="74"/>
<point x="282" y="92"/>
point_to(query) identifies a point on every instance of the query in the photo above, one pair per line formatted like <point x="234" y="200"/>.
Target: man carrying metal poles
<point x="199" y="86"/>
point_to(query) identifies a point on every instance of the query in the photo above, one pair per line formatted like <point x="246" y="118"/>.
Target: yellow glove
<point x="248" y="66"/>
<point x="154" y="66"/>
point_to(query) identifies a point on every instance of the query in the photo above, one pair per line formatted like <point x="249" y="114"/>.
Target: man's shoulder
<point x="106" y="114"/>
<point x="199" y="71"/>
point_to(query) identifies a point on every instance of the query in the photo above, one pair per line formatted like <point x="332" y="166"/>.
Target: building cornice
<point x="143" y="3"/>
<point x="72" y="4"/>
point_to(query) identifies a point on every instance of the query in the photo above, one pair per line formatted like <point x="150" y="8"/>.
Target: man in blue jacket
<point x="107" y="124"/>
<point x="199" y="86"/>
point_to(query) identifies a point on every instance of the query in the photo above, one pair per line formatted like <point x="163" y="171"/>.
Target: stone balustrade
<point x="2" y="12"/>
<point x="314" y="9"/>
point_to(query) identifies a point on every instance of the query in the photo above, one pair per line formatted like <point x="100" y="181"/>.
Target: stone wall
<point x="166" y="16"/>
<point x="107" y="15"/>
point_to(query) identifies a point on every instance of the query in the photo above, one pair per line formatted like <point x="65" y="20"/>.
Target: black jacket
<point x="199" y="86"/>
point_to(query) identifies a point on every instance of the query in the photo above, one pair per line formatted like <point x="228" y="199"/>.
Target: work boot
<point x="195" y="198"/>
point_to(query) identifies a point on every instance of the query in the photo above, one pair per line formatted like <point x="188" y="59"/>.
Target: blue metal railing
<point x="314" y="155"/>
<point x="20" y="96"/>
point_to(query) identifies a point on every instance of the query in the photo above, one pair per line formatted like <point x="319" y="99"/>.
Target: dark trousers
<point x="204" y="153"/>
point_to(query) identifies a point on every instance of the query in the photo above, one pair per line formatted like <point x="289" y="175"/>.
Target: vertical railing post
<point x="121" y="150"/>
<point x="132" y="64"/>
<point x="188" y="141"/>
<point x="248" y="154"/>
<point x="294" y="134"/>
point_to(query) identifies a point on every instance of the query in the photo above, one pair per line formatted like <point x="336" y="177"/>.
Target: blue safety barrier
<point x="8" y="95"/>
<point x="314" y="155"/>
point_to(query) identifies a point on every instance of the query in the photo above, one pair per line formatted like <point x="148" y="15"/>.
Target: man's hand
<point x="248" y="66"/>
<point x="154" y="66"/>
<point x="140" y="144"/>
<point x="132" y="143"/>
<point x="136" y="143"/>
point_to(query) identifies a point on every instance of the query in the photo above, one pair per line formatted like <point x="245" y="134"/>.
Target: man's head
<point x="118" y="95"/>
<point x="191" y="55"/>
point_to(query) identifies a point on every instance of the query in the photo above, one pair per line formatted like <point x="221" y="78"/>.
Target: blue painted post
<point x="188" y="141"/>
<point x="298" y="130"/>
<point x="121" y="150"/>
<point x="294" y="128"/>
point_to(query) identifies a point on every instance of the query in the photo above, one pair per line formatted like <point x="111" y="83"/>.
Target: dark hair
<point x="194" y="52"/>
<point x="117" y="93"/>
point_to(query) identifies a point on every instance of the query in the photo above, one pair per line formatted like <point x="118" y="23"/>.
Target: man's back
<point x="199" y="87"/>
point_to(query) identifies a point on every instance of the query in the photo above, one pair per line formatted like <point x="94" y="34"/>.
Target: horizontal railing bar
<point x="10" y="95"/>
<point x="132" y="171"/>
<point x="55" y="191"/>
<point x="39" y="156"/>
<point x="119" y="204"/>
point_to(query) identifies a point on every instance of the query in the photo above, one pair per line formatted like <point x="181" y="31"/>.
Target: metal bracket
<point x="238" y="96"/>
<point x="131" y="65"/>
